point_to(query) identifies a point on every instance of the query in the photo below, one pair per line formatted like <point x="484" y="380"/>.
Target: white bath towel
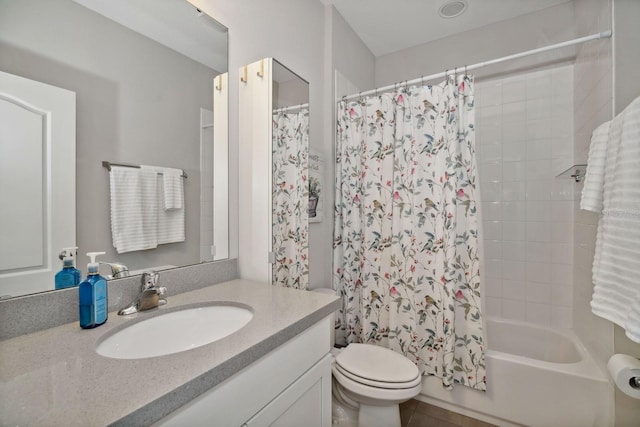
<point x="171" y="222"/>
<point x="134" y="209"/>
<point x="616" y="268"/>
<point x="591" y="199"/>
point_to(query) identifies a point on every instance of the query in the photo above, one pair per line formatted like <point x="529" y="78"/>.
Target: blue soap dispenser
<point x="69" y="276"/>
<point x="92" y="296"/>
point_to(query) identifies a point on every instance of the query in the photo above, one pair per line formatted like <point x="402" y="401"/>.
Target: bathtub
<point x="536" y="377"/>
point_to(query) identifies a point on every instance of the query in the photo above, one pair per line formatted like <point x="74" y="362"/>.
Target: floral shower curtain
<point x="406" y="260"/>
<point x="290" y="199"/>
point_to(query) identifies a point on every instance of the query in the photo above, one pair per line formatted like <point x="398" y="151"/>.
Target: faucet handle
<point x="150" y="279"/>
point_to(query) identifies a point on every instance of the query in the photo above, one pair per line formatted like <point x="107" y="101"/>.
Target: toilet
<point x="369" y="383"/>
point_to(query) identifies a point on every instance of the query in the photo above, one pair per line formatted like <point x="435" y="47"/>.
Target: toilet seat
<point x="375" y="366"/>
<point x="371" y="395"/>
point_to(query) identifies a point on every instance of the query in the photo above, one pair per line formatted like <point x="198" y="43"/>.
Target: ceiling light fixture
<point x="452" y="8"/>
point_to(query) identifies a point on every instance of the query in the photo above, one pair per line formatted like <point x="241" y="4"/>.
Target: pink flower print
<point x="461" y="86"/>
<point x="386" y="276"/>
<point x="400" y="98"/>
<point x="459" y="294"/>
<point x="396" y="196"/>
<point x="413" y="268"/>
<point x="283" y="184"/>
<point x="413" y="171"/>
<point x="356" y="199"/>
<point x="352" y="112"/>
<point x="460" y="193"/>
<point x="291" y="187"/>
<point x="393" y="291"/>
<point x="358" y="283"/>
<point x="388" y="183"/>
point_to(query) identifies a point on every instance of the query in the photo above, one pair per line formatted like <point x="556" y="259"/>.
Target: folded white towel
<point x="616" y="268"/>
<point x="172" y="188"/>
<point x="171" y="222"/>
<point x="134" y="209"/>
<point x="591" y="199"/>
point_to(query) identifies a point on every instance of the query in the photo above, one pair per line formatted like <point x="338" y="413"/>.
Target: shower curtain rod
<point x="293" y="107"/>
<point x="602" y="35"/>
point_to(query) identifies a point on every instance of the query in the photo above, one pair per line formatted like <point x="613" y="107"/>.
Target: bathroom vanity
<point x="273" y="370"/>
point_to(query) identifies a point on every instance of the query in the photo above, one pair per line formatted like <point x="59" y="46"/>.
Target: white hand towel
<point x="171" y="222"/>
<point x="591" y="199"/>
<point x="172" y="187"/>
<point x="616" y="268"/>
<point x="134" y="209"/>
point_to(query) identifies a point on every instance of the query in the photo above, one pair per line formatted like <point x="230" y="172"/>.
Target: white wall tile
<point x="492" y="230"/>
<point x="491" y="211"/>
<point x="513" y="171"/>
<point x="538" y="231"/>
<point x="539" y="252"/>
<point x="562" y="295"/>
<point x="514" y="250"/>
<point x="512" y="309"/>
<point x="538" y="149"/>
<point x="514" y="270"/>
<point x="514" y="230"/>
<point x="539" y="190"/>
<point x="513" y="132"/>
<point x="538" y="210"/>
<point x="527" y="212"/>
<point x="538" y="272"/>
<point x="513" y="190"/>
<point x="538" y="292"/>
<point x="513" y="91"/>
<point x="539" y="314"/>
<point x="514" y="289"/>
<point x="514" y="152"/>
<point x="515" y="210"/>
<point x="493" y="306"/>
<point x="492" y="249"/>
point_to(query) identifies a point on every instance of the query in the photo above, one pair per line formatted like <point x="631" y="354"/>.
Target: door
<point x="37" y="182"/>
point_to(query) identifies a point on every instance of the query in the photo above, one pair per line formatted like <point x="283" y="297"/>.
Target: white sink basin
<point x="175" y="332"/>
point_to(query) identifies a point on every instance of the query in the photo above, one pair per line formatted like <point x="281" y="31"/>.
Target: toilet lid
<point x="377" y="364"/>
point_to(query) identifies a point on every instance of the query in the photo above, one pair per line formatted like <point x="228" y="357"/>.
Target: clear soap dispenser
<point x="69" y="276"/>
<point x="92" y="295"/>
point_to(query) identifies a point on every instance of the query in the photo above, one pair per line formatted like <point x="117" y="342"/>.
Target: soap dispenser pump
<point x="92" y="295"/>
<point x="69" y="276"/>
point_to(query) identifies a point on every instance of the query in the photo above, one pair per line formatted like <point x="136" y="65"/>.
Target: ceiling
<point x="387" y="26"/>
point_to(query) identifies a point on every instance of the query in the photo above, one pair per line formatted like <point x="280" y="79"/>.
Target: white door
<point x="37" y="182"/>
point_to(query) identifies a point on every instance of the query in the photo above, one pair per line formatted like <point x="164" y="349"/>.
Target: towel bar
<point x="108" y="165"/>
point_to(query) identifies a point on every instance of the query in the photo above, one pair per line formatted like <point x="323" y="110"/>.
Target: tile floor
<point x="414" y="413"/>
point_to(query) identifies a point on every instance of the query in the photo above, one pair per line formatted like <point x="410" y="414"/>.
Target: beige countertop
<point x="55" y="377"/>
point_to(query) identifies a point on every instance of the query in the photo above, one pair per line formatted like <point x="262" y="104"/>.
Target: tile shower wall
<point x="593" y="104"/>
<point x="524" y="137"/>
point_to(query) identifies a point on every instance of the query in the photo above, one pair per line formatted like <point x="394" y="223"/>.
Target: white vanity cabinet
<point x="290" y="386"/>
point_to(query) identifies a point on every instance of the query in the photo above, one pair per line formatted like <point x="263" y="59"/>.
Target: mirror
<point x="290" y="180"/>
<point x="149" y="90"/>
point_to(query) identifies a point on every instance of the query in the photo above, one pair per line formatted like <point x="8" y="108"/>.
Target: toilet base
<point x="379" y="416"/>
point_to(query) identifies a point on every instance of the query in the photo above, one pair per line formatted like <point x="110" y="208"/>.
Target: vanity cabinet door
<point x="306" y="402"/>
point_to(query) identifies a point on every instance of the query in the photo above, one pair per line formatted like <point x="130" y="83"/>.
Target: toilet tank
<point x="332" y="318"/>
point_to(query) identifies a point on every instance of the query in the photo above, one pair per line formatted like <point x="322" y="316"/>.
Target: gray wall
<point x="122" y="81"/>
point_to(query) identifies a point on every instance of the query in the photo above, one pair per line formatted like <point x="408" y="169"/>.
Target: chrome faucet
<point x="150" y="295"/>
<point x="117" y="270"/>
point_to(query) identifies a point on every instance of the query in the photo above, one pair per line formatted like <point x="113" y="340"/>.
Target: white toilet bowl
<point x="374" y="381"/>
<point x="369" y="383"/>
